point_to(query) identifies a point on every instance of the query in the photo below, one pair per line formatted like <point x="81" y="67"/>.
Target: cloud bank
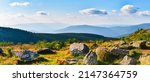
<point x="15" y="4"/>
<point x="93" y="11"/>
<point x="41" y="13"/>
<point x="129" y="9"/>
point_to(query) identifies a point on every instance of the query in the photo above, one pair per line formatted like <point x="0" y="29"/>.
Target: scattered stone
<point x="102" y="53"/>
<point x="71" y="61"/>
<point x="90" y="58"/>
<point x="127" y="60"/>
<point x="77" y="49"/>
<point x="45" y="51"/>
<point x="122" y="42"/>
<point x="139" y="44"/>
<point x="119" y="52"/>
<point x="26" y="55"/>
<point x="1" y="51"/>
<point x="144" y="60"/>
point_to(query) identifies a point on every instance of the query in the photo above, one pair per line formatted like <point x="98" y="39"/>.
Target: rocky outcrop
<point x="139" y="44"/>
<point x="119" y="52"/>
<point x="77" y="49"/>
<point x="1" y="51"/>
<point x="144" y="60"/>
<point x="26" y="55"/>
<point x="90" y="58"/>
<point x="45" y="51"/>
<point x="127" y="60"/>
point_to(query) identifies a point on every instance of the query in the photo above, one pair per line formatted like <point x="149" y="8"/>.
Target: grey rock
<point x="119" y="52"/>
<point x="127" y="60"/>
<point x="77" y="49"/>
<point x="26" y="55"/>
<point x="90" y="58"/>
<point x="1" y="51"/>
<point x="71" y="61"/>
<point x="45" y="51"/>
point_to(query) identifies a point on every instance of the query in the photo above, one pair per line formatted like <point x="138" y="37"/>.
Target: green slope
<point x="142" y="34"/>
<point x="21" y="36"/>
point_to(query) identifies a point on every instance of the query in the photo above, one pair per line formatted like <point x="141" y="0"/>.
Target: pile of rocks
<point x="77" y="49"/>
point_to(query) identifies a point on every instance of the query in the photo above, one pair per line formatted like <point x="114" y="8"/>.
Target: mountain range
<point x="40" y="27"/>
<point x="114" y="31"/>
<point x="21" y="36"/>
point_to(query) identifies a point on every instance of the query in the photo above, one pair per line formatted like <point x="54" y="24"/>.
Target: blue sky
<point x="74" y="11"/>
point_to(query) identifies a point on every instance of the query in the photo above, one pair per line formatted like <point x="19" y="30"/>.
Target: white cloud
<point x="19" y="15"/>
<point x="128" y="9"/>
<point x="14" y="4"/>
<point x="114" y="11"/>
<point x="93" y="11"/>
<point x="41" y="13"/>
<point x="144" y="13"/>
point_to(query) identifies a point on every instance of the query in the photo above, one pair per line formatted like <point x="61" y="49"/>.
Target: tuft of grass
<point x="135" y="53"/>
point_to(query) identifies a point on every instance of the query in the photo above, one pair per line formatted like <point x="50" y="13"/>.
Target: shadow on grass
<point x="35" y="61"/>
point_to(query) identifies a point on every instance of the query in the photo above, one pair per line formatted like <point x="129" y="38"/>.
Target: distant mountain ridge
<point x="115" y="31"/>
<point x="40" y="27"/>
<point x="21" y="36"/>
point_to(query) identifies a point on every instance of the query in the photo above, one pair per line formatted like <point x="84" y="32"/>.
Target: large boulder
<point x="139" y="44"/>
<point x="127" y="60"/>
<point x="45" y="51"/>
<point x="102" y="53"/>
<point x="26" y="55"/>
<point x="90" y="58"/>
<point x="145" y="60"/>
<point x="119" y="52"/>
<point x="77" y="49"/>
<point x="1" y="51"/>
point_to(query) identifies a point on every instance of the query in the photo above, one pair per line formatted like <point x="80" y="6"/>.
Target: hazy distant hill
<point x="115" y="31"/>
<point x="40" y="27"/>
<point x="126" y="30"/>
<point x="16" y="35"/>
<point x="142" y="34"/>
<point x="88" y="29"/>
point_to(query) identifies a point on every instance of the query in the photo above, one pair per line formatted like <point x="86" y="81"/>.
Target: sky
<point x="91" y="12"/>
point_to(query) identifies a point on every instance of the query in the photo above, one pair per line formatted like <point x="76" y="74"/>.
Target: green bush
<point x="41" y="44"/>
<point x="9" y="52"/>
<point x="134" y="53"/>
<point x="98" y="41"/>
<point x="56" y="45"/>
<point x="6" y="43"/>
<point x="70" y="41"/>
